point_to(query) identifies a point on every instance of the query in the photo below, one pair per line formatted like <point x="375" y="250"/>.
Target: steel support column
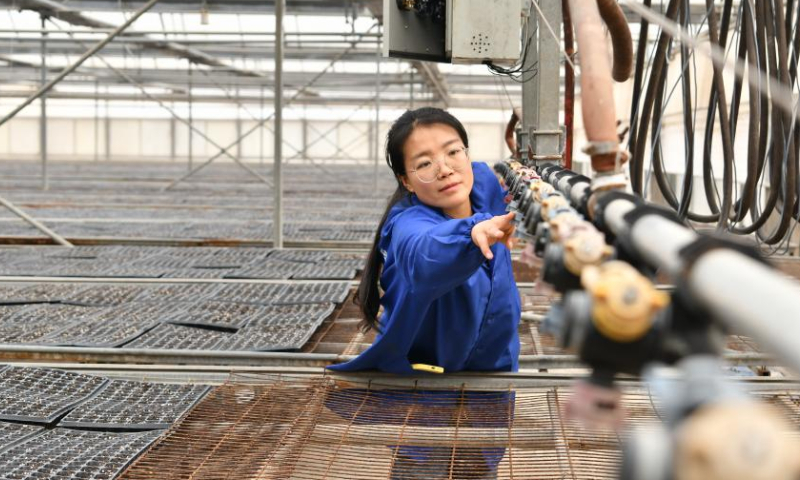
<point x="97" y="122"/>
<point x="277" y="210"/>
<point x="191" y="121"/>
<point x="173" y="127"/>
<point x="239" y="148"/>
<point x="304" y="152"/>
<point x="43" y="108"/>
<point x="107" y="133"/>
<point x="261" y="130"/>
<point x="541" y="95"/>
<point x="530" y="46"/>
<point x="376" y="136"/>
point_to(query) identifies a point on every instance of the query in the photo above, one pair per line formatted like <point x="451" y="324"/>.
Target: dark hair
<point x="368" y="294"/>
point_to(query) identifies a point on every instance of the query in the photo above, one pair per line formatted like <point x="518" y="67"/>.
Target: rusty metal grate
<point x="323" y="429"/>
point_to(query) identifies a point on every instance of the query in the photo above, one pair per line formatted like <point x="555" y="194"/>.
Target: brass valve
<point x="736" y="441"/>
<point x="551" y="204"/>
<point x="563" y="225"/>
<point x="515" y="166"/>
<point x="585" y="248"/>
<point x="540" y="190"/>
<point x="625" y="302"/>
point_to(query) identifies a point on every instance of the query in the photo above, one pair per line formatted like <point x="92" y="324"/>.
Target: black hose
<point x="767" y="43"/>
<point x="708" y="178"/>
<point x="751" y="182"/>
<point x="786" y="126"/>
<point x="641" y="52"/>
<point x="725" y="127"/>
<point x="637" y="160"/>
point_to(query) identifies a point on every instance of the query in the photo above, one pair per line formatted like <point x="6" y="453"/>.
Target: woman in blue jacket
<point x="441" y="257"/>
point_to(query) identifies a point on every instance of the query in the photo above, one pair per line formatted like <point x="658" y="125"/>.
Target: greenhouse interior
<point x="399" y="239"/>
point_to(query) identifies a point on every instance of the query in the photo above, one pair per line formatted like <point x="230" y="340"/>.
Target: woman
<point x="441" y="257"/>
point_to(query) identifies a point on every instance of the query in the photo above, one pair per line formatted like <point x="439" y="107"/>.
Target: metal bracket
<point x="534" y="135"/>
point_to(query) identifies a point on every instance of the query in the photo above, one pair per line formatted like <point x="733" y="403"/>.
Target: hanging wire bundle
<point x="763" y="34"/>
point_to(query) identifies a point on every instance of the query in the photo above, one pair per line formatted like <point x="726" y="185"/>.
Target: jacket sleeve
<point x="435" y="257"/>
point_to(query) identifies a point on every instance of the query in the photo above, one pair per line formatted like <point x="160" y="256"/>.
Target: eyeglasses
<point x="428" y="169"/>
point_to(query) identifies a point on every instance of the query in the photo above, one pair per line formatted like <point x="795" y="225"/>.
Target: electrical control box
<point x="453" y="31"/>
<point x="483" y="30"/>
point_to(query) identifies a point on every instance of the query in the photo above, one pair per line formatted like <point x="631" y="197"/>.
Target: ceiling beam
<point x="72" y="16"/>
<point x="484" y="102"/>
<point x="293" y="7"/>
<point x="249" y="50"/>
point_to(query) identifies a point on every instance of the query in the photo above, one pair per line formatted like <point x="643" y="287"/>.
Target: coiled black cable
<point x="768" y="39"/>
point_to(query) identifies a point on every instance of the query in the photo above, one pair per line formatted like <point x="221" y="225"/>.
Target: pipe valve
<point x="624" y="301"/>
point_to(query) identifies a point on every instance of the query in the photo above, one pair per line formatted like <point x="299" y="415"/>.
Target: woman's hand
<point x="496" y="229"/>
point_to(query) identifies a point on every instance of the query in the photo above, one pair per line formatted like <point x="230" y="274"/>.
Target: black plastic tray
<point x="179" y="337"/>
<point x="42" y="293"/>
<point x="269" y="339"/>
<point x="63" y="453"/>
<point x="123" y="405"/>
<point x="261" y="294"/>
<point x="326" y="272"/>
<point x="35" y="322"/>
<point x="41" y="396"/>
<point x="305" y="314"/>
<point x="268" y="270"/>
<point x="216" y="314"/>
<point x="178" y="293"/>
<point x="335" y="292"/>
<point x="100" y="331"/>
<point x="285" y="328"/>
<point x="104" y="295"/>
<point x="13" y="433"/>
<point x="302" y="256"/>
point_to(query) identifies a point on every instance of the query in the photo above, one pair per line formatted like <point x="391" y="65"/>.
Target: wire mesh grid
<point x="324" y="429"/>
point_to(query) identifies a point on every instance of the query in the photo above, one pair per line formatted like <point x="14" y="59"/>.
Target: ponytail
<point x="368" y="296"/>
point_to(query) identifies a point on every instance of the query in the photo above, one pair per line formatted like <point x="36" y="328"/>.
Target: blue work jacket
<point x="444" y="303"/>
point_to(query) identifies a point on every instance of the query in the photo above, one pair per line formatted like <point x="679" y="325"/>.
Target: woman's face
<point x="432" y="147"/>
